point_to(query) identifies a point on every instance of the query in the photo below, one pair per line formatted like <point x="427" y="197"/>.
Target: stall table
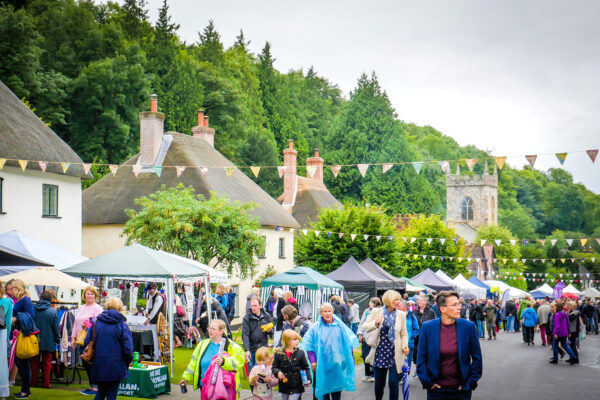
<point x="146" y="382"/>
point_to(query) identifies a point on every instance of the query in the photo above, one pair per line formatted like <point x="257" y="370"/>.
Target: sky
<point x="512" y="77"/>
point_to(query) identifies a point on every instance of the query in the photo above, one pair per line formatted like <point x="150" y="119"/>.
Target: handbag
<point x="81" y="335"/>
<point x="180" y="311"/>
<point x="27" y="346"/>
<point x="372" y="338"/>
<point x="88" y="352"/>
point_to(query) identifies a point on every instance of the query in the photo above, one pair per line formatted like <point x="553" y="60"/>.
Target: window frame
<point x="264" y="253"/>
<point x="49" y="214"/>
<point x="467" y="209"/>
<point x="281" y="248"/>
<point x="2" y="195"/>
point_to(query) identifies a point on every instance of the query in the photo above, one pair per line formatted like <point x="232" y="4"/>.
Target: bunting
<point x="312" y="170"/>
<point x="418" y="166"/>
<point x="561" y="158"/>
<point x="281" y="170"/>
<point x="2" y="161"/>
<point x="65" y="166"/>
<point x="362" y="168"/>
<point x="113" y="169"/>
<point x="500" y="161"/>
<point x="255" y="171"/>
<point x="43" y="165"/>
<point x="87" y="167"/>
<point x="591" y="153"/>
<point x="179" y="170"/>
<point x="136" y="169"/>
<point x="470" y="163"/>
<point x="336" y="170"/>
<point x="445" y="166"/>
<point x="157" y="170"/>
<point x="386" y="167"/>
<point x="229" y="171"/>
<point x="531" y="159"/>
<point x="204" y="171"/>
<point x="23" y="164"/>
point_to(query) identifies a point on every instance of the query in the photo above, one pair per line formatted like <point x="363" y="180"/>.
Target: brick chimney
<point x="151" y="133"/>
<point x="202" y="131"/>
<point x="318" y="162"/>
<point x="289" y="177"/>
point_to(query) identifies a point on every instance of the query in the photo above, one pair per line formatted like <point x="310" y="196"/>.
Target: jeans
<point x="517" y="325"/>
<point x="291" y="396"/>
<point x="354" y="327"/>
<point x="528" y="334"/>
<point x="511" y="323"/>
<point x="46" y="365"/>
<point x="252" y="361"/>
<point x="107" y="390"/>
<point x="573" y="338"/>
<point x="448" y="394"/>
<point x="25" y="372"/>
<point x="480" y="329"/>
<point x="564" y="345"/>
<point x="365" y="349"/>
<point x="393" y="383"/>
<point x="333" y="396"/>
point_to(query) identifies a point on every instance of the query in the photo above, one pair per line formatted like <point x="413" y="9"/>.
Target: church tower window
<point x="467" y="209"/>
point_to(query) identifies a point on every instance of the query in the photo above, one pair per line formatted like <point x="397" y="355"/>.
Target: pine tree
<point x="241" y="43"/>
<point x="211" y="47"/>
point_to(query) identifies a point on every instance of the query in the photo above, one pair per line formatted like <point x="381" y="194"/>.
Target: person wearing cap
<point x="154" y="305"/>
<point x="278" y="306"/>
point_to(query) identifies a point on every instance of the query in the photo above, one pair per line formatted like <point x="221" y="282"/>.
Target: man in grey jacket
<point x="543" y="312"/>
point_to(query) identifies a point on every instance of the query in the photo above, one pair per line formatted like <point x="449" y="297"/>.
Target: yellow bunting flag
<point x="86" y="168"/>
<point x="562" y="260"/>
<point x="23" y="164"/>
<point x="281" y="170"/>
<point x="255" y="171"/>
<point x="500" y="161"/>
<point x="583" y="241"/>
<point x="136" y="169"/>
<point x="483" y="241"/>
<point x="2" y="161"/>
<point x="64" y="166"/>
<point x="113" y="169"/>
<point x="43" y="165"/>
<point x="386" y="167"/>
<point x="561" y="158"/>
<point x="336" y="170"/>
<point x="179" y="170"/>
<point x="362" y="168"/>
<point x="531" y="159"/>
<point x="229" y="171"/>
<point x="353" y="236"/>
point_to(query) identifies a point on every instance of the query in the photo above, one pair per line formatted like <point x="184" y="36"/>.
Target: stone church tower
<point x="472" y="200"/>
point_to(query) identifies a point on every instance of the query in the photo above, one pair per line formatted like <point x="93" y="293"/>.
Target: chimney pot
<point x="200" y="117"/>
<point x="154" y="103"/>
<point x="206" y="121"/>
<point x="291" y="144"/>
<point x="316" y="152"/>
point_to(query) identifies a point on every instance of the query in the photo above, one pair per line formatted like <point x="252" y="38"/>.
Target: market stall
<point x="306" y="285"/>
<point x="433" y="281"/>
<point x="465" y="287"/>
<point x="137" y="262"/>
<point x="573" y="290"/>
<point x="476" y="281"/>
<point x="543" y="291"/>
<point x="591" y="293"/>
<point x="501" y="287"/>
<point x="375" y="269"/>
<point x="412" y="286"/>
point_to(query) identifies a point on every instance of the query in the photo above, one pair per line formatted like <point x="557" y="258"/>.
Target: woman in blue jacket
<point x="113" y="352"/>
<point x="529" y="320"/>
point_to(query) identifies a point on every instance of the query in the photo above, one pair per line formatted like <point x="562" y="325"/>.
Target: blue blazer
<point x="469" y="353"/>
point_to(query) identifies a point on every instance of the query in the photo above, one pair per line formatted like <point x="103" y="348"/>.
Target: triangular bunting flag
<point x="418" y="166"/>
<point x="442" y="240"/>
<point x="592" y="154"/>
<point x="255" y="171"/>
<point x="336" y="170"/>
<point x="229" y="171"/>
<point x="86" y="168"/>
<point x="598" y="240"/>
<point x="2" y="161"/>
<point x="561" y="158"/>
<point x="362" y="168"/>
<point x="113" y="169"/>
<point x="531" y="159"/>
<point x="352" y="236"/>
<point x="204" y="171"/>
<point x="317" y="233"/>
<point x="157" y="170"/>
<point x="460" y="259"/>
<point x="523" y="260"/>
<point x="366" y="237"/>
<point x="445" y="166"/>
<point x="413" y="239"/>
<point x="470" y="163"/>
<point x="514" y="260"/>
<point x="340" y="235"/>
<point x="543" y="260"/>
<point x="429" y="240"/>
<point x="386" y="167"/>
<point x="500" y="161"/>
<point x="553" y="241"/>
<point x="483" y="241"/>
<point x="312" y="170"/>
<point x="583" y="241"/>
<point x="378" y="237"/>
<point x="43" y="165"/>
<point x="136" y="169"/>
<point x="562" y="260"/>
<point x="451" y="258"/>
<point x="543" y="242"/>
<point x="498" y="241"/>
<point x="23" y="164"/>
<point x="415" y="256"/>
<point x="433" y="257"/>
<point x="180" y="170"/>
<point x="469" y="259"/>
<point x="65" y="166"/>
<point x="504" y="260"/>
<point x="304" y="231"/>
<point x="281" y="170"/>
<point x="513" y="241"/>
<point x="424" y="257"/>
<point x="403" y="238"/>
<point x="569" y="241"/>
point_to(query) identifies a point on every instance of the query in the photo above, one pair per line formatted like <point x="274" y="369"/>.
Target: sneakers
<point x="88" y="392"/>
<point x="365" y="379"/>
<point x="21" y="395"/>
<point x="371" y="379"/>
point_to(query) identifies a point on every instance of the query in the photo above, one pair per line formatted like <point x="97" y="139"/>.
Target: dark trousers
<point x="448" y="394"/>
<point x="46" y="365"/>
<point x="564" y="345"/>
<point x="574" y="339"/>
<point x="517" y="325"/>
<point x="544" y="335"/>
<point x="107" y="390"/>
<point x="25" y="372"/>
<point x="365" y="349"/>
<point x="490" y="329"/>
<point x="393" y="383"/>
<point x="528" y="334"/>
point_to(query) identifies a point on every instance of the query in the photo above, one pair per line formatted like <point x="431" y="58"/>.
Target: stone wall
<point x="483" y="191"/>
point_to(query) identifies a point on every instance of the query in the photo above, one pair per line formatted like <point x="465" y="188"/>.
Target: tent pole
<point x="170" y="298"/>
<point x="208" y="298"/>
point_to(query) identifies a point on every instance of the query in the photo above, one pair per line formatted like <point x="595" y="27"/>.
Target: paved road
<point x="511" y="370"/>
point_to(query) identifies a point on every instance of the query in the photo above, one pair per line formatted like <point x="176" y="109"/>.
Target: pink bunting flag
<point x="386" y="167"/>
<point x="179" y="170"/>
<point x="561" y="158"/>
<point x="43" y="165"/>
<point x="336" y="170"/>
<point x="204" y="171"/>
<point x="531" y="159"/>
<point x="281" y="170"/>
<point x="470" y="163"/>
<point x="113" y="169"/>
<point x="592" y="154"/>
<point x="445" y="166"/>
<point x="86" y="168"/>
<point x="362" y="168"/>
<point x="340" y="235"/>
<point x="543" y="242"/>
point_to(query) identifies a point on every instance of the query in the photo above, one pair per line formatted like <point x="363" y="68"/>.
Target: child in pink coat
<point x="261" y="377"/>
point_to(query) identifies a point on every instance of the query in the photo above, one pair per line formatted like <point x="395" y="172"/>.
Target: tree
<point x="449" y="256"/>
<point x="326" y="250"/>
<point x="509" y="262"/>
<point x="214" y="231"/>
<point x="211" y="48"/>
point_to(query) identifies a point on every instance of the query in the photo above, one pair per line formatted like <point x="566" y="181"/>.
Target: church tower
<point x="472" y="200"/>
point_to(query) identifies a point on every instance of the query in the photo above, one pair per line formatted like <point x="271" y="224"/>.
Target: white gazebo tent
<point x="502" y="287"/>
<point x="591" y="293"/>
<point x="545" y="289"/>
<point x="46" y="276"/>
<point x="140" y="262"/>
<point x="465" y="286"/>
<point x="572" y="289"/>
<point x="443" y="275"/>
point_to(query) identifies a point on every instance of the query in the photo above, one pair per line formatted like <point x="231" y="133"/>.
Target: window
<point x="49" y="201"/>
<point x="1" y="192"/>
<point x="281" y="247"/>
<point x="467" y="209"/>
<point x="262" y="254"/>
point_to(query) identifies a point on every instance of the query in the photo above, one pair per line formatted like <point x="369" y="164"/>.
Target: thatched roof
<point x="24" y="136"/>
<point x="312" y="195"/>
<point x="105" y="201"/>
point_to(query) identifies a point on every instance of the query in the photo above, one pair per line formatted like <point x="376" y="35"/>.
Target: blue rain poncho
<point x="332" y="345"/>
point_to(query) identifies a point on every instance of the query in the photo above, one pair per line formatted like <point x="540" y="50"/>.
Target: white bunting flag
<point x="386" y="167"/>
<point x="553" y="241"/>
<point x="179" y="170"/>
<point x="498" y="241"/>
<point x="442" y="240"/>
<point x="281" y="170"/>
<point x="336" y="170"/>
<point x="362" y="168"/>
<point x="113" y="169"/>
<point x="353" y="236"/>
<point x="429" y="240"/>
<point x="513" y="241"/>
<point x="317" y="233"/>
<point x="366" y="237"/>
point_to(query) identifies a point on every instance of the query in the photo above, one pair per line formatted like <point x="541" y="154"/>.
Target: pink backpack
<point x="224" y="388"/>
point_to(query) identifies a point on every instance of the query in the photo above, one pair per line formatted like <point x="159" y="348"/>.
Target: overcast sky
<point x="512" y="77"/>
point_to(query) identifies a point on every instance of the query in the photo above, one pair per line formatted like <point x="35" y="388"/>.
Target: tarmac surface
<point x="511" y="370"/>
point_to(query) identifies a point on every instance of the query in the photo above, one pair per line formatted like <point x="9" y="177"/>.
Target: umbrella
<point x="405" y="383"/>
<point x="13" y="257"/>
<point x="571" y="296"/>
<point x="46" y="276"/>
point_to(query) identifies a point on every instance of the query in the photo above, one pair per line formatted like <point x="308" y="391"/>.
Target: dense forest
<point x="88" y="69"/>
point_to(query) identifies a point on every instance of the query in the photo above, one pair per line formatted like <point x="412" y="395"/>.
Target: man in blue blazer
<point x="449" y="357"/>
